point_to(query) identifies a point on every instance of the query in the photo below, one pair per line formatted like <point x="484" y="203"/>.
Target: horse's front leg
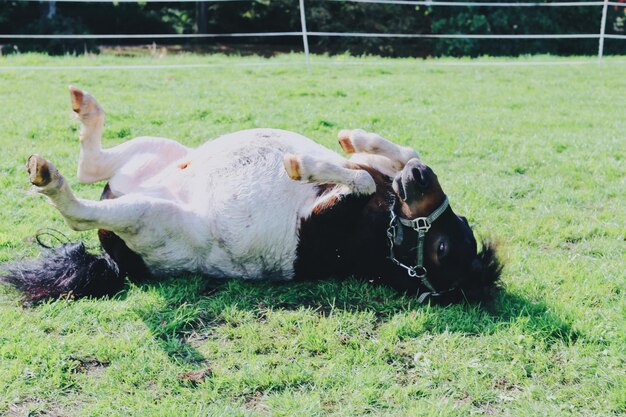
<point x="374" y="150"/>
<point x="134" y="160"/>
<point x="310" y="169"/>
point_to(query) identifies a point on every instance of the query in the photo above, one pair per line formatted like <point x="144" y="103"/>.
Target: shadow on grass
<point x="194" y="305"/>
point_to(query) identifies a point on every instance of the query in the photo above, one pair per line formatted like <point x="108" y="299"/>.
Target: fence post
<point x="605" y="6"/>
<point x="305" y="36"/>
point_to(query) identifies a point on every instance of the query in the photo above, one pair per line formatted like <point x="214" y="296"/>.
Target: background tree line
<point x="322" y="15"/>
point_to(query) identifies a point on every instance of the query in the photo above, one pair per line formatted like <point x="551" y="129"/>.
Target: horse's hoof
<point x="358" y="140"/>
<point x="344" y="141"/>
<point x="76" y="95"/>
<point x="292" y="166"/>
<point x="83" y="103"/>
<point x="40" y="171"/>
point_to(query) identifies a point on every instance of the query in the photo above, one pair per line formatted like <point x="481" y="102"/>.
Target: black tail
<point x="66" y="270"/>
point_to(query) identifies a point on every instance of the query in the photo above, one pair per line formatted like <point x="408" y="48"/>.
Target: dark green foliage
<point x="58" y="25"/>
<point x="370" y="18"/>
<point x="518" y="21"/>
<point x="78" y="18"/>
<point x="322" y="16"/>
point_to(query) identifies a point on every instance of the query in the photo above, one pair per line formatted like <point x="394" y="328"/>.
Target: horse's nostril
<point x="416" y="179"/>
<point x="419" y="176"/>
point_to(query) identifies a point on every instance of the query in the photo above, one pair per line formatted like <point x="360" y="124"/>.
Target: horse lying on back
<point x="255" y="204"/>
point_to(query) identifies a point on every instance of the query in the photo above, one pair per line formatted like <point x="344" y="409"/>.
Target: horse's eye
<point x="442" y="249"/>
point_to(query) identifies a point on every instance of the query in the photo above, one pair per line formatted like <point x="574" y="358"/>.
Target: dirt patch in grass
<point x="196" y="376"/>
<point x="254" y="402"/>
<point x="39" y="408"/>
<point x="90" y="366"/>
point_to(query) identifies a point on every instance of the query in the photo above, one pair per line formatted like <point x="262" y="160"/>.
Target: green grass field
<point x="533" y="155"/>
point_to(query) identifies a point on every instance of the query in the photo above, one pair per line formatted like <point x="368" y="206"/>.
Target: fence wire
<point x="305" y="34"/>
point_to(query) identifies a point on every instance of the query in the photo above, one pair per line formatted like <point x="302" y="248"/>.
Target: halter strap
<point x="421" y="225"/>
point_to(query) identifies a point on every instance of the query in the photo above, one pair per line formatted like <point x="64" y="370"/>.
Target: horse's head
<point x="433" y="248"/>
<point x="428" y="250"/>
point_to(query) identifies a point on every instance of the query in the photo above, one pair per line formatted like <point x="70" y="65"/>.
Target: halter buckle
<point x="419" y="224"/>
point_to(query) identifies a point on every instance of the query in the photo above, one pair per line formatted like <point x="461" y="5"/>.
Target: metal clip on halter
<point x="418" y="224"/>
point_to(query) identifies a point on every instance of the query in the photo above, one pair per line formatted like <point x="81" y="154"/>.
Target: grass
<point x="533" y="155"/>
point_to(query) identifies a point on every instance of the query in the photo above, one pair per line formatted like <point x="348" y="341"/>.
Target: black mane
<point x="486" y="278"/>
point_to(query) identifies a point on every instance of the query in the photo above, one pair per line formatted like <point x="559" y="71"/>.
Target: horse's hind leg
<point x="129" y="215"/>
<point x="138" y="158"/>
<point x="91" y="116"/>
<point x="47" y="180"/>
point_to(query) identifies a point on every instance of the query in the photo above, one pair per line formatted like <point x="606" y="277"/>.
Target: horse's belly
<point x="250" y="208"/>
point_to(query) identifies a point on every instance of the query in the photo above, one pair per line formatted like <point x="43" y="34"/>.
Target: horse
<point x="255" y="204"/>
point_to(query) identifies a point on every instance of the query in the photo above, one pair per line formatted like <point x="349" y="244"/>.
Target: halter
<point x="421" y="225"/>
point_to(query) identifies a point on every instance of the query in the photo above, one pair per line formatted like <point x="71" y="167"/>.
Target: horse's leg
<point x="310" y="169"/>
<point x="126" y="215"/>
<point x="139" y="158"/>
<point x="91" y="116"/>
<point x="376" y="151"/>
